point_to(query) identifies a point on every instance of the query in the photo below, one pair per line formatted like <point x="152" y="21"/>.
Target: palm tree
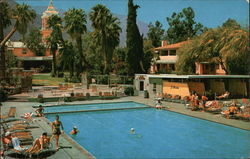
<point x="22" y="15"/>
<point x="67" y="57"/>
<point x="55" y="39"/>
<point x="228" y="46"/>
<point x="75" y="25"/>
<point x="106" y="32"/>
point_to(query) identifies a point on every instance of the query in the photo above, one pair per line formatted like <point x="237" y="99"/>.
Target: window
<point x="24" y="51"/>
<point x="154" y="87"/>
<point x="172" y="53"/>
<point x="158" y="67"/>
<point x="217" y="66"/>
<point x="172" y="67"/>
<point x="164" y="53"/>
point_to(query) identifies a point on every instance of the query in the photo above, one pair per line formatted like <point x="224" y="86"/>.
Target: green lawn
<point x="46" y="80"/>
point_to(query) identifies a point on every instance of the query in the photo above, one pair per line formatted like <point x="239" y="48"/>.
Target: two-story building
<point x="167" y="58"/>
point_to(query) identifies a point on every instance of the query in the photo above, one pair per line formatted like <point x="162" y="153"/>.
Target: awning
<point x="37" y="58"/>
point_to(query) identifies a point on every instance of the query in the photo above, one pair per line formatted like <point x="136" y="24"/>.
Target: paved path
<point x="73" y="150"/>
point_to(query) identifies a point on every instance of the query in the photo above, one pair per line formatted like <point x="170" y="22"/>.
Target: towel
<point x="16" y="144"/>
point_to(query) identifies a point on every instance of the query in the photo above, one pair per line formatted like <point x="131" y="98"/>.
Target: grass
<point x="46" y="80"/>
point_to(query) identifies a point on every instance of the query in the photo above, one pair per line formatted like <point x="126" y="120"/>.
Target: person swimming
<point x="74" y="131"/>
<point x="132" y="131"/>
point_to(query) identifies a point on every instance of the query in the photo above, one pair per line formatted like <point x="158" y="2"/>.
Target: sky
<point x="210" y="13"/>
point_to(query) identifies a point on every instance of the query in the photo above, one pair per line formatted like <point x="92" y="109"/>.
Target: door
<point x="141" y="85"/>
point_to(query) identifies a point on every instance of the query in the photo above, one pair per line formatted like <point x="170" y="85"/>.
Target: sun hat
<point x="75" y="127"/>
<point x="7" y="133"/>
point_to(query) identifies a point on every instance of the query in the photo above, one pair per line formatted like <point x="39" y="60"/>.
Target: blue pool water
<point x="66" y="108"/>
<point x="158" y="134"/>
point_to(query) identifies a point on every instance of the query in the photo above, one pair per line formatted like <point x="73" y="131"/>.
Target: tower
<point x="50" y="11"/>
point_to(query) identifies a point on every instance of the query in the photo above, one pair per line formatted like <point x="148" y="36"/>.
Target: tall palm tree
<point x="4" y="22"/>
<point x="67" y="57"/>
<point x="106" y="32"/>
<point x="22" y="15"/>
<point x="75" y="25"/>
<point x="55" y="39"/>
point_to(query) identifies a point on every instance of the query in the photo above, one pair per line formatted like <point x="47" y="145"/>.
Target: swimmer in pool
<point x="74" y="131"/>
<point x="132" y="131"/>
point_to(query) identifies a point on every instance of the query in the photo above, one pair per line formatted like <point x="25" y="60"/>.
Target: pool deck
<point x="71" y="150"/>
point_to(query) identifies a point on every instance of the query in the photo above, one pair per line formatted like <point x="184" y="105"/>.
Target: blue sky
<point x="211" y="13"/>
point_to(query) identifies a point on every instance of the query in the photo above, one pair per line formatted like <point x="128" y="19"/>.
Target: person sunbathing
<point x="10" y="140"/>
<point x="223" y="96"/>
<point x="39" y="144"/>
<point x="232" y="110"/>
<point x="39" y="111"/>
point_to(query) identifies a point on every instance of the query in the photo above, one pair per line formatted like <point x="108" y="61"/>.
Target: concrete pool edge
<point x="66" y="104"/>
<point x="93" y="110"/>
<point x="73" y="142"/>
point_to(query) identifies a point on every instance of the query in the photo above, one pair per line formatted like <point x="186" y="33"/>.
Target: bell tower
<point x="46" y="14"/>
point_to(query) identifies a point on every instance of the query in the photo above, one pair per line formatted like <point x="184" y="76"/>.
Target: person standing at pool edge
<point x="56" y="130"/>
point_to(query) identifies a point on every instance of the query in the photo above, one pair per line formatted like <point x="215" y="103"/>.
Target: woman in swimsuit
<point x="56" y="129"/>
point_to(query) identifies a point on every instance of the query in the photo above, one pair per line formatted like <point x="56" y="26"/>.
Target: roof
<point x="15" y="44"/>
<point x="35" y="58"/>
<point x="171" y="46"/>
<point x="50" y="10"/>
<point x="174" y="76"/>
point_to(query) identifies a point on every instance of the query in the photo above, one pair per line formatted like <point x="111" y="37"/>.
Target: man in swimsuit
<point x="56" y="130"/>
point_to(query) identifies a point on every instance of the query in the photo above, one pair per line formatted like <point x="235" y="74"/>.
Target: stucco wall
<point x="176" y="88"/>
<point x="237" y="87"/>
<point x="217" y="86"/>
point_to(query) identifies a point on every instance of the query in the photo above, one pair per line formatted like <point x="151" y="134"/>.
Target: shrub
<point x="66" y="79"/>
<point x="75" y="79"/>
<point x="87" y="95"/>
<point x="60" y="74"/>
<point x="40" y="98"/>
<point x="3" y="95"/>
<point x="67" y="99"/>
<point x="129" y="91"/>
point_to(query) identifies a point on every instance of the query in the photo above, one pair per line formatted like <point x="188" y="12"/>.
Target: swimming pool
<point x="158" y="134"/>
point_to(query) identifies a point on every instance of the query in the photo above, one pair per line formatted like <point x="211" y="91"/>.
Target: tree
<point x="119" y="64"/>
<point x="22" y="15"/>
<point x="34" y="42"/>
<point x="67" y="57"/>
<point x="93" y="53"/>
<point x="55" y="39"/>
<point x="134" y="42"/>
<point x="148" y="54"/>
<point x="231" y="23"/>
<point x="106" y="33"/>
<point x="4" y="22"/>
<point x="155" y="33"/>
<point x="183" y="26"/>
<point x="75" y="25"/>
<point x="227" y="46"/>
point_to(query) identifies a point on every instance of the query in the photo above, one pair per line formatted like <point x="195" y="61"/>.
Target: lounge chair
<point x="11" y="113"/>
